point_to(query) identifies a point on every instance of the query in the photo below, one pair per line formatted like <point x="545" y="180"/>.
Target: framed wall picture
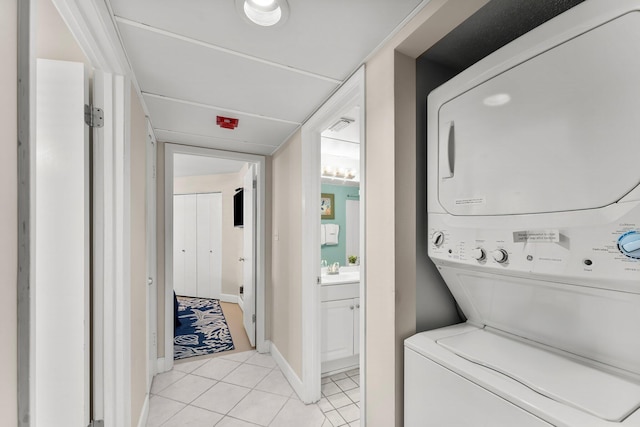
<point x="327" y="207"/>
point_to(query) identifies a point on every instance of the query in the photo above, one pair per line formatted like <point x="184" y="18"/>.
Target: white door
<point x="249" y="250"/>
<point x="337" y="329"/>
<point x="209" y="245"/>
<point x="62" y="242"/>
<point x="151" y="258"/>
<point x="185" y="251"/>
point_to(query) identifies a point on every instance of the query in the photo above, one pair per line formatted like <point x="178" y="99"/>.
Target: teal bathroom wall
<point x="338" y="253"/>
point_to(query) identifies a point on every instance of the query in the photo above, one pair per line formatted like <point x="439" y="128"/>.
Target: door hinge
<point x="93" y="116"/>
<point x="318" y="280"/>
<point x="96" y="423"/>
<point x="253" y="318"/>
<point x="255" y="184"/>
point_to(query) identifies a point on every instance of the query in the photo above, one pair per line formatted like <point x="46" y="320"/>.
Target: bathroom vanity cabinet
<point x="340" y="342"/>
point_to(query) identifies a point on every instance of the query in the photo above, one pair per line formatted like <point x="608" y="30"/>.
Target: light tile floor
<point x="246" y="390"/>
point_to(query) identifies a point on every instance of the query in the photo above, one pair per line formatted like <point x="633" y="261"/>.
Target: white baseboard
<point x="336" y="366"/>
<point x="288" y="372"/>
<point x="144" y="415"/>
<point x="264" y="347"/>
<point x="229" y="298"/>
<point x="161" y="366"/>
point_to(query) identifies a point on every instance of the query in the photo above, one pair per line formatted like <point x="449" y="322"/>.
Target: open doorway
<point x="333" y="161"/>
<point x="340" y="246"/>
<point x="214" y="254"/>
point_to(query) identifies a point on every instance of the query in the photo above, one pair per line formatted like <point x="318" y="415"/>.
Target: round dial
<point x="500" y="255"/>
<point x="438" y="238"/>
<point x="478" y="253"/>
<point x="629" y="244"/>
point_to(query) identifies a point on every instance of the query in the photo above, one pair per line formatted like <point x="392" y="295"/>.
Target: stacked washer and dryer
<point x="534" y="220"/>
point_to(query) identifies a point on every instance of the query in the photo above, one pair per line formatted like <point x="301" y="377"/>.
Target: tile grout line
<point x="269" y="371"/>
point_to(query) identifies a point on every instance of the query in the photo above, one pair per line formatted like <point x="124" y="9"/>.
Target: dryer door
<point x="558" y="132"/>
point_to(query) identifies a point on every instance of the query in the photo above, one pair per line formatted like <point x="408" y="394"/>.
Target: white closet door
<point x="178" y="244"/>
<point x="184" y="244"/>
<point x="190" y="238"/>
<point x="209" y="242"/>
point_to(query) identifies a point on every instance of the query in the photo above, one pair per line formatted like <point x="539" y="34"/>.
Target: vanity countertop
<point x="340" y="278"/>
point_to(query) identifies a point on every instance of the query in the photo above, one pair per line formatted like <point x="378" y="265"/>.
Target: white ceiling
<point x="197" y="59"/>
<point x="191" y="165"/>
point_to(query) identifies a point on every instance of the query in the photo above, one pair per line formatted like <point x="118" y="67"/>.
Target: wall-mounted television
<point x="237" y="207"/>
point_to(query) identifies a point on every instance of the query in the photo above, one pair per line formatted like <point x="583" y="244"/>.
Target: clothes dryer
<point x="534" y="221"/>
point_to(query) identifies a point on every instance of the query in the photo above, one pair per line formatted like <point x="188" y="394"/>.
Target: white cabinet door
<point x="337" y="329"/>
<point x="209" y="245"/>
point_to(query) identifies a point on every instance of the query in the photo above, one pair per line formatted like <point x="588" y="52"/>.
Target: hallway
<point x="247" y="389"/>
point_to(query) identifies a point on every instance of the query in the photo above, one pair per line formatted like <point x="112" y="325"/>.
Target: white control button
<point x="500" y="255"/>
<point x="478" y="253"/>
<point x="438" y="238"/>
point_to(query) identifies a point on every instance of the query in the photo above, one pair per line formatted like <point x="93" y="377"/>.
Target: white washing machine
<point x="534" y="220"/>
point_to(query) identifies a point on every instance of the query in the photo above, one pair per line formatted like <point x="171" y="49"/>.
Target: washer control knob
<point x="629" y="244"/>
<point x="438" y="238"/>
<point x="478" y="254"/>
<point x="500" y="255"/>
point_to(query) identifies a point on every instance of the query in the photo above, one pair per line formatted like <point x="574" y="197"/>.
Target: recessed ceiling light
<point x="266" y="13"/>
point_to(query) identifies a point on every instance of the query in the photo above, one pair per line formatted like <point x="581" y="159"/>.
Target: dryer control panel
<point x="629" y="244"/>
<point x="579" y="253"/>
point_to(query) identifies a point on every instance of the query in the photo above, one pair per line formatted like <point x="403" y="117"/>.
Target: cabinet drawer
<point x="336" y="292"/>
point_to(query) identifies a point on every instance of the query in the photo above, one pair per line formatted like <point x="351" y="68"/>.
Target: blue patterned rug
<point x="202" y="330"/>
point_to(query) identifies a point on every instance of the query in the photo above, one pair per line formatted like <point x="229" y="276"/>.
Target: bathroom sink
<point x="340" y="278"/>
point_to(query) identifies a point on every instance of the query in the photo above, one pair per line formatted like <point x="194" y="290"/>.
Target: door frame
<point x="152" y="261"/>
<point x="91" y="25"/>
<point x="171" y="149"/>
<point x="351" y="94"/>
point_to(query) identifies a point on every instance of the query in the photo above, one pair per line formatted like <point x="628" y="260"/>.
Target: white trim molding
<point x="91" y="24"/>
<point x="260" y="163"/>
<point x="288" y="372"/>
<point x="349" y="95"/>
<point x="233" y="299"/>
<point x="144" y="414"/>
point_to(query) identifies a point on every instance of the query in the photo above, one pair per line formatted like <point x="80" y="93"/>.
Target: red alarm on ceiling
<point x="226" y="122"/>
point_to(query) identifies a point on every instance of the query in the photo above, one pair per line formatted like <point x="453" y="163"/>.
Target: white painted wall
<point x="8" y="212"/>
<point x="286" y="275"/>
<point x="391" y="203"/>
